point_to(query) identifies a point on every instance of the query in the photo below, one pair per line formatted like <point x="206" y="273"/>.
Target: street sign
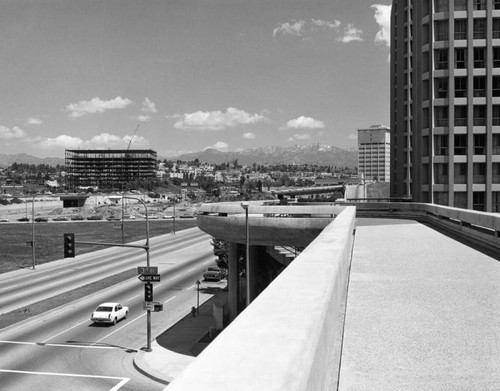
<point x="157" y="307"/>
<point x="147" y="270"/>
<point x="148" y="305"/>
<point x="149" y="278"/>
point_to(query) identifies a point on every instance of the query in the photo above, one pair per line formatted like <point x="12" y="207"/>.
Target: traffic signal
<point x="69" y="245"/>
<point x="148" y="292"/>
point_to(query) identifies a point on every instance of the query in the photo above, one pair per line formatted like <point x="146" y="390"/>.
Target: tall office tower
<point x="374" y="153"/>
<point x="445" y="102"/>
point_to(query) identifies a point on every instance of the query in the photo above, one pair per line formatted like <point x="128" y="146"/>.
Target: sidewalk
<point x="177" y="347"/>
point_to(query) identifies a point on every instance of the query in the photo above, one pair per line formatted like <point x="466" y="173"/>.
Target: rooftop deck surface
<point x="423" y="312"/>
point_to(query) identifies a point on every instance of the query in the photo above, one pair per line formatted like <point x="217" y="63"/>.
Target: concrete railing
<point x="474" y="227"/>
<point x="290" y="337"/>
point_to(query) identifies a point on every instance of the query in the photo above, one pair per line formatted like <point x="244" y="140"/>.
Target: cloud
<point x="295" y="28"/>
<point x="305" y="29"/>
<point x="303" y="123"/>
<point x="96" y="105"/>
<point x="351" y="34"/>
<point x="63" y="141"/>
<point x="148" y="106"/>
<point x="383" y="19"/>
<point x="34" y="121"/>
<point x="302" y="136"/>
<point x="353" y="137"/>
<point x="143" y="118"/>
<point x="249" y="135"/>
<point x="100" y="141"/>
<point x="219" y="145"/>
<point x="217" y="120"/>
<point x="10" y="134"/>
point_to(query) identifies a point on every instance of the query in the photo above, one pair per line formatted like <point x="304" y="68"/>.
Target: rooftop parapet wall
<point x="289" y="337"/>
<point x="480" y="228"/>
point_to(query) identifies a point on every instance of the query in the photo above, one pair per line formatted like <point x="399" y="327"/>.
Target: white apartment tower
<point x="445" y="102"/>
<point x="374" y="153"/>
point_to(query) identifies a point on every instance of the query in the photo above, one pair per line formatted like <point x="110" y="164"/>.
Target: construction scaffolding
<point x="108" y="169"/>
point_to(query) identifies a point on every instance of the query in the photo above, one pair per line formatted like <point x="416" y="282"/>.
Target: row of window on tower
<point x="460" y="116"/>
<point x="479" y="30"/>
<point x="479" y="58"/>
<point x="460" y="84"/>
<point x="460" y="144"/>
<point x="461" y="5"/>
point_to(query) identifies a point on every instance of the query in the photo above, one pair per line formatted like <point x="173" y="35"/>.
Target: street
<point x="62" y="349"/>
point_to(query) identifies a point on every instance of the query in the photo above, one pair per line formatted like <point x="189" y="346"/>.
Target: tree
<point x="221" y="252"/>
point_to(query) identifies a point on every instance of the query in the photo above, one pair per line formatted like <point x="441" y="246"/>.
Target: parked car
<point x="109" y="313"/>
<point x="3" y="219"/>
<point x="77" y="217"/>
<point x="214" y="273"/>
<point x="60" y="219"/>
<point x="24" y="219"/>
<point x="41" y="219"/>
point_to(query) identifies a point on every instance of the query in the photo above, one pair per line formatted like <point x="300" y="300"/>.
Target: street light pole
<point x="245" y="205"/>
<point x="33" y="230"/>
<point x="146" y="247"/>
<point x="198" y="296"/>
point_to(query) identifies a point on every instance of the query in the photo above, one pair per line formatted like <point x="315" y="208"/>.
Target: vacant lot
<point x="15" y="247"/>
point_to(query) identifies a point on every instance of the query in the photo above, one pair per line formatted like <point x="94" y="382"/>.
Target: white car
<point x="3" y="219"/>
<point x="109" y="313"/>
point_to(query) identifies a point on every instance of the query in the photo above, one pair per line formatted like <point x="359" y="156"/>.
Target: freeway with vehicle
<point x="64" y="349"/>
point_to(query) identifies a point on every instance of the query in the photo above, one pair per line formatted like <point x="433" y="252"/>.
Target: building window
<point x="496" y="28"/>
<point x="479" y="28"/>
<point x="495" y="147"/>
<point x="478" y="200"/>
<point x="441" y="6"/>
<point x="441" y="173"/>
<point x="441" y="198"/>
<point x="441" y="145"/>
<point x="460" y="116"/>
<point x="441" y="115"/>
<point x="495" y="83"/>
<point x="460" y="173"/>
<point x="442" y="59"/>
<point x="480" y="144"/>
<point x="441" y="30"/>
<point x="460" y="200"/>
<point x="479" y="118"/>
<point x="460" y="28"/>
<point x="496" y="4"/>
<point x="479" y="5"/>
<point x="479" y="57"/>
<point x="495" y="172"/>
<point x="460" y="5"/>
<point x="460" y="58"/>
<point x="441" y="87"/>
<point x="460" y="144"/>
<point x="479" y="173"/>
<point x="496" y="57"/>
<point x="495" y="195"/>
<point x="479" y="86"/>
<point x="495" y="114"/>
<point x="460" y="87"/>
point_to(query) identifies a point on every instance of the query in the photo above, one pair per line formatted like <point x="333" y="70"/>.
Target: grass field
<point x="16" y="253"/>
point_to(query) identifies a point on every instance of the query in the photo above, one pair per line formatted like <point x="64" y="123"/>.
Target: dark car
<point x="41" y="219"/>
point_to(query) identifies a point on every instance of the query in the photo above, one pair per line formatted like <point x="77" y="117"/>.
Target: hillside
<point x="22" y="158"/>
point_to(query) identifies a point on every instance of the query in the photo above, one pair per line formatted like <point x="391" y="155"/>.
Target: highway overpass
<point x="370" y="304"/>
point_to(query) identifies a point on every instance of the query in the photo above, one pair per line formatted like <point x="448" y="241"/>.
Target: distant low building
<point x="110" y="168"/>
<point x="374" y="145"/>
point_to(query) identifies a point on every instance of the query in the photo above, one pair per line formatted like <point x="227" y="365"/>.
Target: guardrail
<point x="289" y="338"/>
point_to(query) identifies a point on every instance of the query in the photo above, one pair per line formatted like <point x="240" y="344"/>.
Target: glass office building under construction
<point x="108" y="169"/>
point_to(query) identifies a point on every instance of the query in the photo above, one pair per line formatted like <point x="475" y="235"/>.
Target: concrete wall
<point x="476" y="228"/>
<point x="289" y="338"/>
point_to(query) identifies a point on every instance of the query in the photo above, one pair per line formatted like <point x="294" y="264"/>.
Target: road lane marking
<point x="125" y="325"/>
<point x="62" y="332"/>
<point x="192" y="269"/>
<point x="123" y="380"/>
<point x="175" y="277"/>
<point x="130" y="298"/>
<point x="166" y="301"/>
<point x="59" y="345"/>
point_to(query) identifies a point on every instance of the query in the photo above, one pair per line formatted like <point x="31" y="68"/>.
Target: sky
<point x="181" y="76"/>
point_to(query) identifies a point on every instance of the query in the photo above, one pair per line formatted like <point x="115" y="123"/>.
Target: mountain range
<point x="318" y="154"/>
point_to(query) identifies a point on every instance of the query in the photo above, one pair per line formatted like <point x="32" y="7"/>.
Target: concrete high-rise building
<point x="445" y="102"/>
<point x="374" y="153"/>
